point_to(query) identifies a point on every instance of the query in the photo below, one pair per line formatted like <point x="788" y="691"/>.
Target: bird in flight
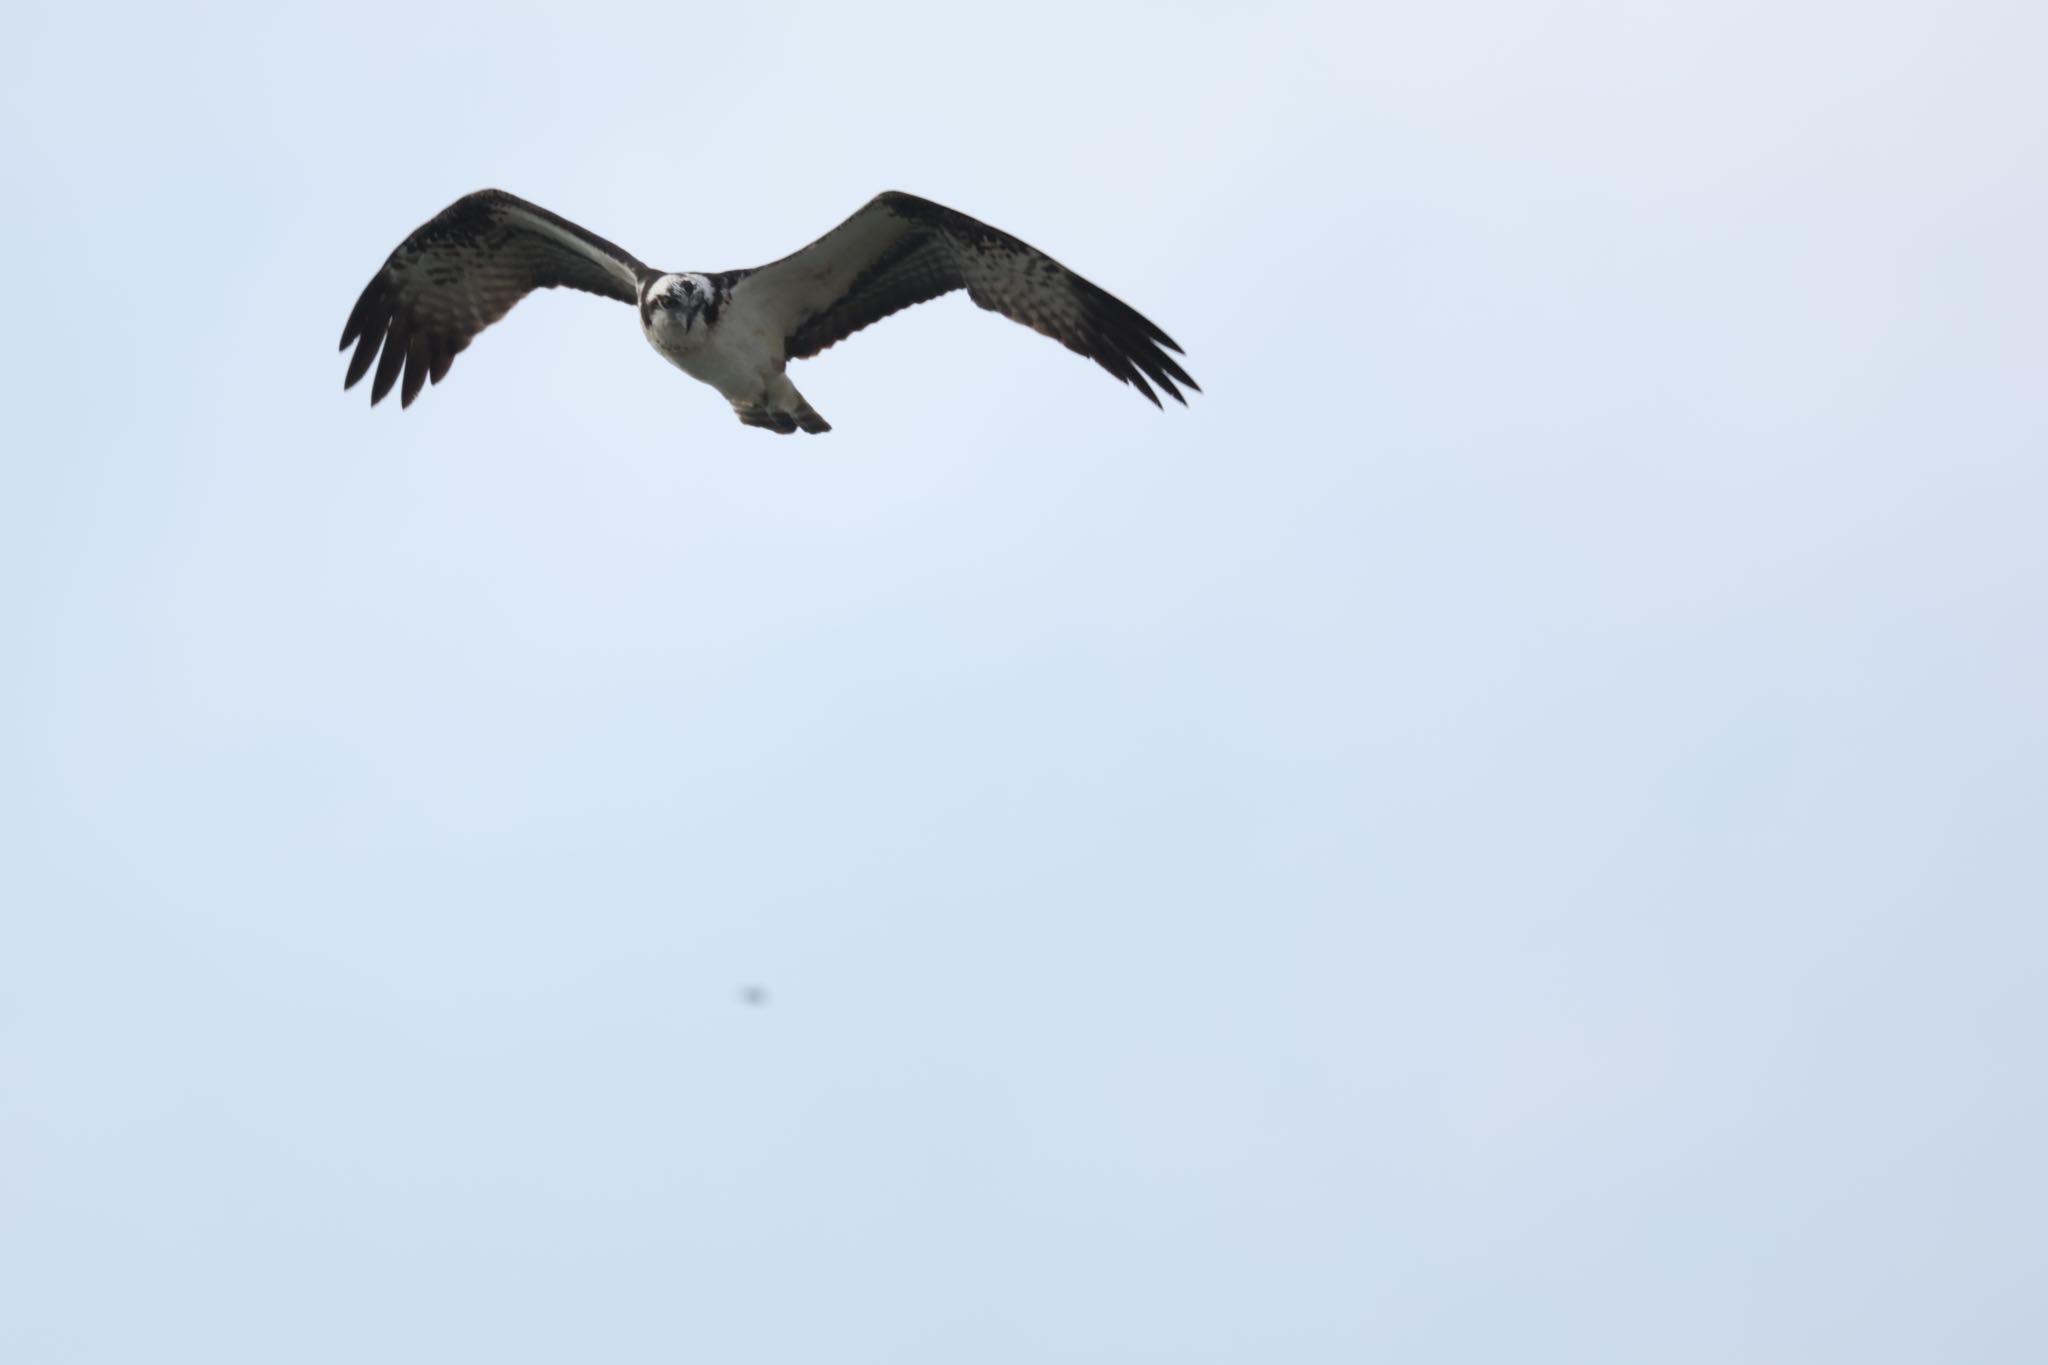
<point x="736" y="330"/>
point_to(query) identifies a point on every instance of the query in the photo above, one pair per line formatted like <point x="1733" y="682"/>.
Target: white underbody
<point x="740" y="355"/>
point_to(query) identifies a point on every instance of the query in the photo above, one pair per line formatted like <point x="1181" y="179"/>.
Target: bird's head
<point x="680" y="300"/>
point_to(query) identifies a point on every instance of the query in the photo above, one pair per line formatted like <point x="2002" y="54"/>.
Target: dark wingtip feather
<point x="1130" y="345"/>
<point x="359" y="363"/>
<point x="359" y="317"/>
<point x="415" y="370"/>
<point x="1166" y="372"/>
<point x="388" y="367"/>
<point x="1172" y="367"/>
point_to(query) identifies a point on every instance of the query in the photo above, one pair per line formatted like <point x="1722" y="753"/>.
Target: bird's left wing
<point x="900" y="250"/>
<point x="460" y="272"/>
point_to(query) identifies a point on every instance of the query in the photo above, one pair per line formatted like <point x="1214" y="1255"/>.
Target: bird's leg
<point x="791" y="405"/>
<point x="781" y="408"/>
<point x="756" y="415"/>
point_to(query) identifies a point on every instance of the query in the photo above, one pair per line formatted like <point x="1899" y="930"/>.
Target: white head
<point x="678" y="300"/>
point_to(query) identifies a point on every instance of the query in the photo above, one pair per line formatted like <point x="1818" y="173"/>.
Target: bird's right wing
<point x="460" y="272"/>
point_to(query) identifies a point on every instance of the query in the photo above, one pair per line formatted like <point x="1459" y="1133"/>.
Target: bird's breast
<point x="732" y="357"/>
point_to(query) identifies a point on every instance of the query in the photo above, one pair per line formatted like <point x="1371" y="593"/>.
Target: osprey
<point x="734" y="329"/>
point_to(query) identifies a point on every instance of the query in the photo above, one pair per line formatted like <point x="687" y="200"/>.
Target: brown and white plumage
<point x="900" y="250"/>
<point x="461" y="271"/>
<point x="464" y="269"/>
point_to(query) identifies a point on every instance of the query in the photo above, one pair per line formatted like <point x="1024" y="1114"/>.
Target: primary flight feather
<point x="736" y="329"/>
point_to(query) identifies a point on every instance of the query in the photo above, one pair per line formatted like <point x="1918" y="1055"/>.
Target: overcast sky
<point x="1512" y="830"/>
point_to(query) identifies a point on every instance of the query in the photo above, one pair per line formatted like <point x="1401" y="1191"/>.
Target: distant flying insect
<point x="736" y="329"/>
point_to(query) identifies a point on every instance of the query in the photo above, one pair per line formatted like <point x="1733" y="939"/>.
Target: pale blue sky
<point x="1510" y="831"/>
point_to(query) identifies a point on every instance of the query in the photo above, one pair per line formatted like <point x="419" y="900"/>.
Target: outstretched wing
<point x="900" y="250"/>
<point x="462" y="271"/>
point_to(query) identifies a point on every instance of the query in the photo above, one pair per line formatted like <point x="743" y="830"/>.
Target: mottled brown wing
<point x="900" y="250"/>
<point x="462" y="271"/>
